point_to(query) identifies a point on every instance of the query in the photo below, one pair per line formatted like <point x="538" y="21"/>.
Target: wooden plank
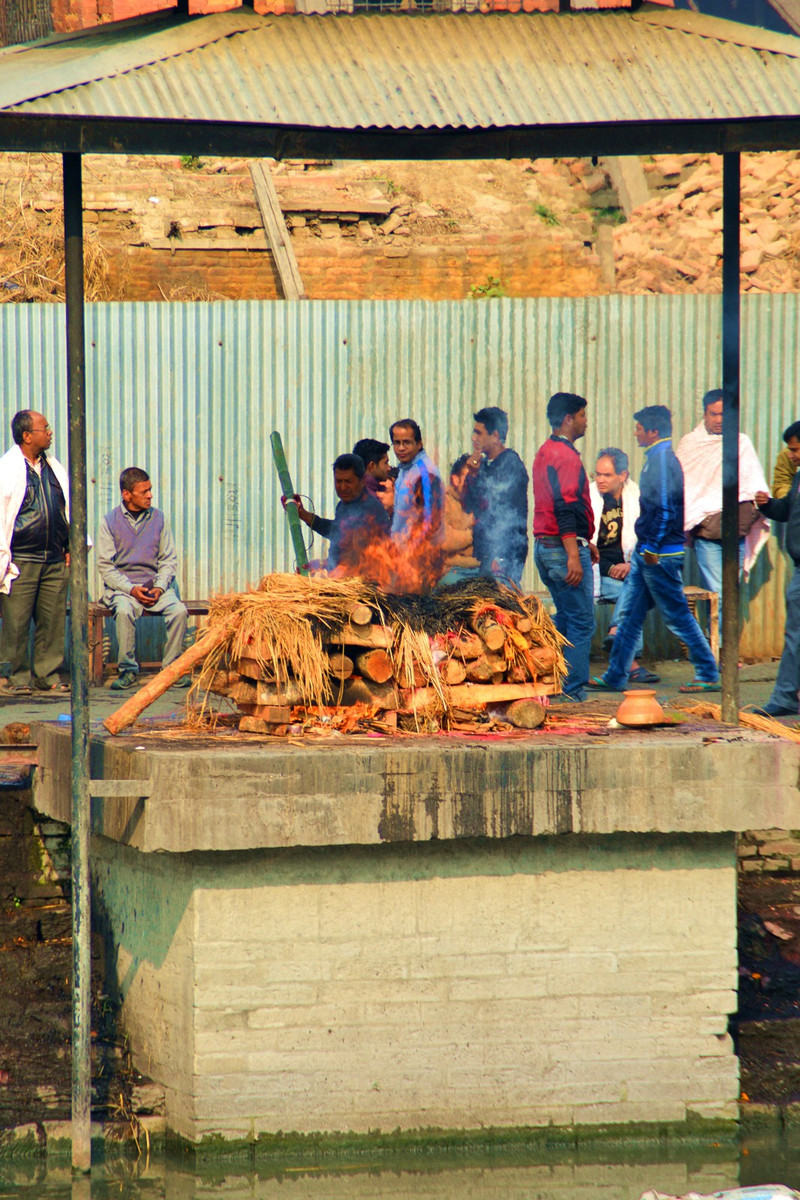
<point x="276" y="232"/>
<point x="473" y="695"/>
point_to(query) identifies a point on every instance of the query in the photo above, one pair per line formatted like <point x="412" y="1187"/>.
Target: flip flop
<point x="600" y="685"/>
<point x="642" y="675"/>
<point x="699" y="685"/>
<point x="16" y="691"/>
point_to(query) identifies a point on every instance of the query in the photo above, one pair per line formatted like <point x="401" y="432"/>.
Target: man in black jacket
<point x="784" y="698"/>
<point x="656" y="575"/>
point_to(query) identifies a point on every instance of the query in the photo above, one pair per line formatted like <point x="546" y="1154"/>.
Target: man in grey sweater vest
<point x="784" y="699"/>
<point x="137" y="561"/>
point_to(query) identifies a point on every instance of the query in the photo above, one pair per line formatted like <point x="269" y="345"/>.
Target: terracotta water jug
<point x="640" y="707"/>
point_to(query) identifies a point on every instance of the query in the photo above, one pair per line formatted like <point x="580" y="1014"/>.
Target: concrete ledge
<point x="241" y="798"/>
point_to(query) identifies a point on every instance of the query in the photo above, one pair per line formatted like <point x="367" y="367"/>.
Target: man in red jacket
<point x="563" y="525"/>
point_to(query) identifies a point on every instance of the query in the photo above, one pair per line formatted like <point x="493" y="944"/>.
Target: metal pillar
<point x="79" y="652"/>
<point x="730" y="437"/>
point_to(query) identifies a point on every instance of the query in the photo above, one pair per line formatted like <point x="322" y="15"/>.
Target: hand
<point x="762" y="498"/>
<point x="302" y="513"/>
<point x="620" y="570"/>
<point x="144" y="595"/>
<point x="574" y="568"/>
<point x="473" y="462"/>
<point x="594" y="553"/>
<point x="386" y="495"/>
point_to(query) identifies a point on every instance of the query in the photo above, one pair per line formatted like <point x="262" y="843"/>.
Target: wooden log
<point x="375" y="665"/>
<point x="340" y="665"/>
<point x="252" y="669"/>
<point x="359" y="691"/>
<point x="378" y="637"/>
<point x="475" y="695"/>
<point x="257" y="725"/>
<point x="542" y="657"/>
<point x="452" y="671"/>
<point x="467" y="646"/>
<point x="519" y="674"/>
<point x="523" y="624"/>
<point x="246" y="692"/>
<point x="360" y="614"/>
<point x="526" y="714"/>
<point x="155" y="687"/>
<point x="219" y="683"/>
<point x="275" y="714"/>
<point x="479" y="670"/>
<point x="493" y="635"/>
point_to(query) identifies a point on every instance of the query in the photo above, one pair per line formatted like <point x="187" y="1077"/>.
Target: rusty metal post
<point x="79" y="657"/>
<point x="730" y="436"/>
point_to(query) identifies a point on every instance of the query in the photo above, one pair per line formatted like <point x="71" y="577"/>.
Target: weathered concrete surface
<point x="428" y="933"/>
<point x="231" y="797"/>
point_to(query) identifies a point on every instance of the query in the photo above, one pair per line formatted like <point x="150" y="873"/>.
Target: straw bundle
<point x="750" y="720"/>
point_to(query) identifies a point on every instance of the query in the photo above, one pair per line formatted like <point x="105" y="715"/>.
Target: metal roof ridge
<point x="25" y="67"/>
<point x="718" y="29"/>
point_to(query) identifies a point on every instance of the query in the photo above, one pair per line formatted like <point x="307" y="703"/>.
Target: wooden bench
<point x="693" y="594"/>
<point x="98" y="613"/>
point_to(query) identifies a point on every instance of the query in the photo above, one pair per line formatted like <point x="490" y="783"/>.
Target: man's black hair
<point x="712" y="397"/>
<point x="370" y="450"/>
<point x="350" y="462"/>
<point x="617" y="456"/>
<point x="792" y="432"/>
<point x="407" y="423"/>
<point x="655" y="416"/>
<point x="459" y="464"/>
<point x="130" y="477"/>
<point x="494" y="420"/>
<point x="561" y="405"/>
<point x="21" y="422"/>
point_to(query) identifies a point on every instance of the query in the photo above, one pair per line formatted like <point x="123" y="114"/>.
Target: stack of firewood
<point x="497" y="659"/>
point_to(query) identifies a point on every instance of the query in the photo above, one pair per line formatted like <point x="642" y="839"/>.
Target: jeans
<point x="507" y="570"/>
<point x="615" y="589"/>
<point x="661" y="585"/>
<point x="787" y="683"/>
<point x="457" y="574"/>
<point x="127" y="612"/>
<point x="709" y="564"/>
<point x="574" y="611"/>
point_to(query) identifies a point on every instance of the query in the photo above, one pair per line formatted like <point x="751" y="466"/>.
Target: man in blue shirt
<point x="656" y="575"/>
<point x="418" y="491"/>
<point x="358" y="522"/>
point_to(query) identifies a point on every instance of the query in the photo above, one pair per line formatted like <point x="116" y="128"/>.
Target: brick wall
<point x="769" y="850"/>
<point x="347" y="269"/>
<point x="454" y="986"/>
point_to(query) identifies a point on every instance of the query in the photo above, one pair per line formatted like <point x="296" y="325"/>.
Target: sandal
<point x="598" y="684"/>
<point x="53" y="688"/>
<point x="700" y="685"/>
<point x="7" y="689"/>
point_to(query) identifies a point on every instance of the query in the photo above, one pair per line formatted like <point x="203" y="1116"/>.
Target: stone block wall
<point x="769" y="850"/>
<point x="524" y="981"/>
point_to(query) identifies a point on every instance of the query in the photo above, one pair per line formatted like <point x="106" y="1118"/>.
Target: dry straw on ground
<point x="32" y="259"/>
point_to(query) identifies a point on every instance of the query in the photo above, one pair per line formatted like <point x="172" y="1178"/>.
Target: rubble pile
<point x="673" y="243"/>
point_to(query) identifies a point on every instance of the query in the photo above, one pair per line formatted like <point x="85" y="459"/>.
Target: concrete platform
<point x="430" y="932"/>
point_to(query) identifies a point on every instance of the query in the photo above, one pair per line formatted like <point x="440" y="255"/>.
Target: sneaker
<point x="125" y="680"/>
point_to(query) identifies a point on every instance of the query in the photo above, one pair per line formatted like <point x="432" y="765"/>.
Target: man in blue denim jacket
<point x="656" y="575"/>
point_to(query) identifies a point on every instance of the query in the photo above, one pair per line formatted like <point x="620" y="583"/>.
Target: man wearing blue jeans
<point x="784" y="699"/>
<point x="563" y="525"/>
<point x="656" y="575"/>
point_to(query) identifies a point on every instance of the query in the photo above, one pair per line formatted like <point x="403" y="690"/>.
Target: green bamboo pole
<point x="287" y="488"/>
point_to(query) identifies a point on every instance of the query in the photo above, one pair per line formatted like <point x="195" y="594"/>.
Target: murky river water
<point x="588" y="1175"/>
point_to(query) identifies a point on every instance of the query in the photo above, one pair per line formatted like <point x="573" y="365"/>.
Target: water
<point x="586" y="1174"/>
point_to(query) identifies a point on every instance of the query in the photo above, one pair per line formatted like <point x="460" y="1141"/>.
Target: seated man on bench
<point x="137" y="561"/>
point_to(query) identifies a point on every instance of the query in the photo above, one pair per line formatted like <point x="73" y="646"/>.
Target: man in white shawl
<point x="34" y="558"/>
<point x="700" y="455"/>
<point x="615" y="504"/>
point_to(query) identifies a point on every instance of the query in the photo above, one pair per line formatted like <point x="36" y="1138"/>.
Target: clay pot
<point x="640" y="708"/>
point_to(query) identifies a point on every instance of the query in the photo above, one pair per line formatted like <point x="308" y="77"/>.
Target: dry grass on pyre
<point x="32" y="259"/>
<point x="285" y="623"/>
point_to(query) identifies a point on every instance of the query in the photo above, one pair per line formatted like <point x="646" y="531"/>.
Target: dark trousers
<point x="39" y="593"/>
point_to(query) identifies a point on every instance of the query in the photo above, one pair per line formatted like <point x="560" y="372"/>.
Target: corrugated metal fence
<point x="192" y="392"/>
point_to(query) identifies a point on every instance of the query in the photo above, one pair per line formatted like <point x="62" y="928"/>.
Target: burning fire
<point x="411" y="565"/>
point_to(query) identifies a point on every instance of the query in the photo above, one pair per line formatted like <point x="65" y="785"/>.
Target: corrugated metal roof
<point x="379" y="71"/>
